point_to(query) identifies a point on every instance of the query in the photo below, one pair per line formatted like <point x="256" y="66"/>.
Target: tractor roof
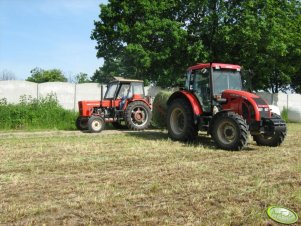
<point x="215" y="65"/>
<point x="121" y="79"/>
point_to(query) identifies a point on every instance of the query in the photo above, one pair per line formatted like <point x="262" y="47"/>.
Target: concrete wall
<point x="282" y="100"/>
<point x="69" y="94"/>
<point x="13" y="90"/>
<point x="65" y="92"/>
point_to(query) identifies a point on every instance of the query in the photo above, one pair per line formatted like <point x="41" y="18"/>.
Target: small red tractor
<point x="124" y="105"/>
<point x="213" y="101"/>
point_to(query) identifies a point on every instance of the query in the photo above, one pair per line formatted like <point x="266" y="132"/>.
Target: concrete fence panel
<point x="280" y="100"/>
<point x="69" y="94"/>
<point x="87" y="91"/>
<point x="65" y="93"/>
<point x="268" y="97"/>
<point x="13" y="90"/>
<point x="294" y="100"/>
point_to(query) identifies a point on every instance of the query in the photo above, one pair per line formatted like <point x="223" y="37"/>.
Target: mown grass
<point x="143" y="178"/>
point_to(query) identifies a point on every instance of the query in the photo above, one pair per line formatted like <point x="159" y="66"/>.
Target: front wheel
<point x="274" y="140"/>
<point x="96" y="124"/>
<point x="229" y="131"/>
<point x="138" y="115"/>
<point x="180" y="124"/>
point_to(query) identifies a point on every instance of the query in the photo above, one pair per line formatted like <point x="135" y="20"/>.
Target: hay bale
<point x="160" y="109"/>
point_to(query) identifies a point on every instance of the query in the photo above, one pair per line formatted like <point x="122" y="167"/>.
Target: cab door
<point x="201" y="88"/>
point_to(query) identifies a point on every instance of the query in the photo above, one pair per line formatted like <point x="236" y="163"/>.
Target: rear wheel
<point x="229" y="131"/>
<point x="138" y="115"/>
<point x="81" y="123"/>
<point x="180" y="123"/>
<point x="96" y="124"/>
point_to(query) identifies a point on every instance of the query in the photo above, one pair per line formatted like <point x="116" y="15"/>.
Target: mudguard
<point x="194" y="102"/>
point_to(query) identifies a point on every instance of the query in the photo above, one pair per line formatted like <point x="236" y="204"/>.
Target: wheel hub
<point x="229" y="132"/>
<point x="96" y="125"/>
<point x="138" y="116"/>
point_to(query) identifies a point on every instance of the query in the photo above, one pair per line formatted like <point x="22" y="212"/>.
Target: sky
<point x="49" y="34"/>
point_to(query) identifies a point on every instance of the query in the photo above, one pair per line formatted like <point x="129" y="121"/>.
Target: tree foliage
<point x="157" y="40"/>
<point x="82" y="78"/>
<point x="39" y="75"/>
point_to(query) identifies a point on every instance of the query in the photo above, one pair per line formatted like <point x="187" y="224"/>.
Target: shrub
<point x="284" y="114"/>
<point x="42" y="113"/>
<point x="160" y="109"/>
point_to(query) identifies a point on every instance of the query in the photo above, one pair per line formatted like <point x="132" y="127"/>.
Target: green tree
<point x="82" y="78"/>
<point x="39" y="75"/>
<point x="107" y="72"/>
<point x="145" y="40"/>
<point x="157" y="40"/>
<point x="267" y="40"/>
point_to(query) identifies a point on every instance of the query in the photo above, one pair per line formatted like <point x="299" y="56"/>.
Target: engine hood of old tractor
<point x="237" y="100"/>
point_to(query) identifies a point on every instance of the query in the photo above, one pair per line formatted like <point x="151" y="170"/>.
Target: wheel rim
<point x="177" y="121"/>
<point x="139" y="116"/>
<point x="96" y="125"/>
<point x="227" y="132"/>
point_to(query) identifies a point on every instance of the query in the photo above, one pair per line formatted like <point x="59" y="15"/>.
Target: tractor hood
<point x="238" y="93"/>
<point x="236" y="99"/>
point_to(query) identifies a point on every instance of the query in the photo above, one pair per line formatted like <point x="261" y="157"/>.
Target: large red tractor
<point x="124" y="105"/>
<point x="213" y="101"/>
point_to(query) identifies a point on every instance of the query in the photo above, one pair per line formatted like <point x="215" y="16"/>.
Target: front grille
<point x="264" y="114"/>
<point x="263" y="107"/>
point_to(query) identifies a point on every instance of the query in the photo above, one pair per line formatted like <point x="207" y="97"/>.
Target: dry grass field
<point x="134" y="178"/>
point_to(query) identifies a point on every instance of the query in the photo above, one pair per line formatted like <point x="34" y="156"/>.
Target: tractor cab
<point x="208" y="81"/>
<point x="121" y="90"/>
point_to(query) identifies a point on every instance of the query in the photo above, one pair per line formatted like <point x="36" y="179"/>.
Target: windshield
<point x="111" y="91"/>
<point x="225" y="79"/>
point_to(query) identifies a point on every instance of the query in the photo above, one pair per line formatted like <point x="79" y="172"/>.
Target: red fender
<point x="193" y="100"/>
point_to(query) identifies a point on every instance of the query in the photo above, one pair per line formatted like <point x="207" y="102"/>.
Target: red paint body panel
<point x="196" y="107"/>
<point x="86" y="107"/>
<point x="235" y="99"/>
<point x="214" y="65"/>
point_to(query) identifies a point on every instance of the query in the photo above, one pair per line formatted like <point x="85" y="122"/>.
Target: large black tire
<point x="180" y="122"/>
<point x="229" y="131"/>
<point x="96" y="124"/>
<point x="138" y="115"/>
<point x="81" y="123"/>
<point x="273" y="141"/>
